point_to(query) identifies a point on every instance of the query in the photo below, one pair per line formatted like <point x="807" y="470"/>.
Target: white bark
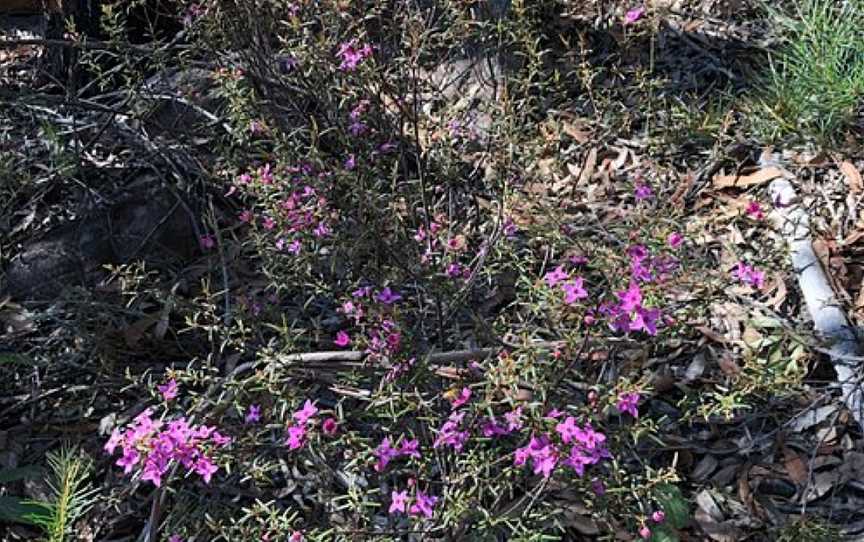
<point x="829" y="318"/>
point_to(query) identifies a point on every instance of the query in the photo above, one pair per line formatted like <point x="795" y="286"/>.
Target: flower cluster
<point x="385" y="452"/>
<point x="154" y="445"/>
<point x="587" y="447"/>
<point x="629" y="314"/>
<point x="351" y="55"/>
<point x="381" y="335"/>
<point x="749" y="275"/>
<point x="297" y="432"/>
<point x="423" y="504"/>
<point x="573" y="290"/>
<point x="300" y="213"/>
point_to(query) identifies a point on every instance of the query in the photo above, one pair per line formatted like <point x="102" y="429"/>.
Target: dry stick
<point x="829" y="319"/>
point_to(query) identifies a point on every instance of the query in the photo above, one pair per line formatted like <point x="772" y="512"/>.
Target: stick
<point x="829" y="319"/>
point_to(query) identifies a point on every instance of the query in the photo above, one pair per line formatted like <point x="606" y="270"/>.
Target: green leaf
<point x="662" y="533"/>
<point x="674" y="505"/>
<point x="17" y="510"/>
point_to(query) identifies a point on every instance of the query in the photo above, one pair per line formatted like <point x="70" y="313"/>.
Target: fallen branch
<point x="829" y="319"/>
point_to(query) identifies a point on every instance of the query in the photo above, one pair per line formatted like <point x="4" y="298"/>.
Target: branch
<point x="829" y="320"/>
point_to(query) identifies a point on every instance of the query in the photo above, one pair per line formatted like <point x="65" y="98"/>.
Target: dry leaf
<point x="739" y="181"/>
<point x="853" y="177"/>
<point x="795" y="467"/>
<point x="580" y="133"/>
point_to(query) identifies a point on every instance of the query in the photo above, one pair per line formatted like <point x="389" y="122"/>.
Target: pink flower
<point x="645" y="320"/>
<point x="253" y="415"/>
<point x="631" y="298"/>
<point x="168" y="390"/>
<point x="385" y="453"/>
<point x="555" y="276"/>
<point x="246" y="216"/>
<point x="129" y="459"/>
<point x="296" y="437"/>
<point x="658" y="516"/>
<point x="674" y="240"/>
<point x="342" y="339"/>
<point x="573" y="291"/>
<point x="294" y="247"/>
<point x="350" y="162"/>
<point x="304" y="414"/>
<point x="514" y="419"/>
<point x="645" y="532"/>
<point x="567" y="429"/>
<point x="329" y="426"/>
<point x="207" y="241"/>
<point x="423" y="504"/>
<point x="755" y="210"/>
<point x="463" y="398"/>
<point x="296" y="536"/>
<point x="205" y="467"/>
<point x="749" y="275"/>
<point x="628" y="402"/>
<point x="410" y="448"/>
<point x="634" y="15"/>
<point x="175" y="538"/>
<point x="398" y="501"/>
<point x="351" y="56"/>
<point x="268" y="223"/>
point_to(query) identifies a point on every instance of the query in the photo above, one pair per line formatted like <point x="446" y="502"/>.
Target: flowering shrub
<point x="421" y="309"/>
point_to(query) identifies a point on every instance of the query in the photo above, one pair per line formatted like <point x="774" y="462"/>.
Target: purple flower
<point x="628" y="402"/>
<point x="168" y="390"/>
<point x="253" y="415"/>
<point x="643" y="192"/>
<point x="463" y="398"/>
<point x="573" y="291"/>
<point x="755" y="210"/>
<point x="351" y="56"/>
<point x="388" y="296"/>
<point x="296" y="437"/>
<point x="207" y="241"/>
<point x="342" y="339"/>
<point x="398" y="501"/>
<point x="350" y="162"/>
<point x="658" y="516"/>
<point x="410" y="448"/>
<point x="634" y="15"/>
<point x="555" y="276"/>
<point x="306" y="413"/>
<point x="423" y="504"/>
<point x="385" y="453"/>
<point x="749" y="275"/>
<point x="631" y="298"/>
<point x="674" y="240"/>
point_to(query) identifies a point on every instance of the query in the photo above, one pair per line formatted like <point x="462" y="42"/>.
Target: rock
<point x="75" y="253"/>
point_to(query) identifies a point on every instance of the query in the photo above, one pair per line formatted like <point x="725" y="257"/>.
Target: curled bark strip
<point x="829" y="318"/>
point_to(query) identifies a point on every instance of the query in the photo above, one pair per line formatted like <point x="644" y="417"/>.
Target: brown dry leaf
<point x="795" y="466"/>
<point x="853" y="177"/>
<point x="728" y="365"/>
<point x="761" y="176"/>
<point x="578" y="130"/>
